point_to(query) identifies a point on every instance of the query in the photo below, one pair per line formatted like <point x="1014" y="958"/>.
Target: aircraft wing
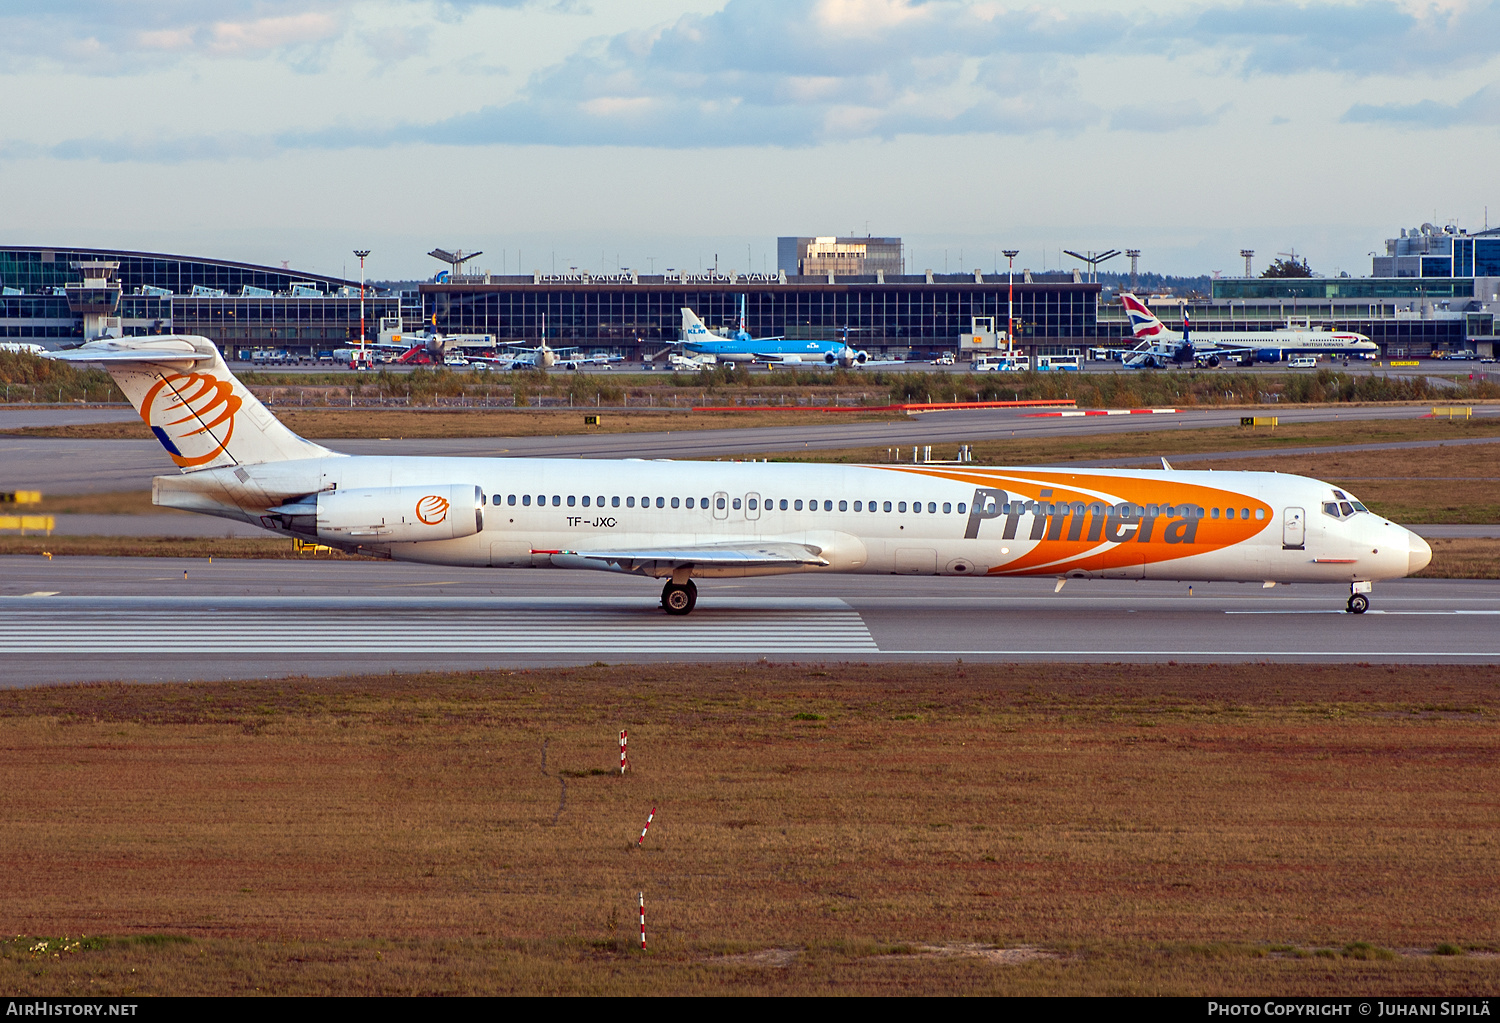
<point x="647" y="560"/>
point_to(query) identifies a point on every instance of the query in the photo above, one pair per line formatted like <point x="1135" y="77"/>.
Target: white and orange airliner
<point x="679" y="520"/>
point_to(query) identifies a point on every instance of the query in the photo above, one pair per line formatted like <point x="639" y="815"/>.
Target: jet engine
<point x="390" y="514"/>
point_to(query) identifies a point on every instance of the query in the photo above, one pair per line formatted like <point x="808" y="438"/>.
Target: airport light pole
<point x="1010" y="297"/>
<point x="364" y="354"/>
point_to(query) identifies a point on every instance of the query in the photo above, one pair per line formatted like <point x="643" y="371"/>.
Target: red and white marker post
<point x="641" y="841"/>
<point x="624" y="738"/>
<point x="643" y="921"/>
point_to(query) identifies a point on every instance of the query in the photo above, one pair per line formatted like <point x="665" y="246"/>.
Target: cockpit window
<point x="1344" y="507"/>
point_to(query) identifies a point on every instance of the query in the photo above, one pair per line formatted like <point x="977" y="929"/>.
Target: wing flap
<point x="738" y="555"/>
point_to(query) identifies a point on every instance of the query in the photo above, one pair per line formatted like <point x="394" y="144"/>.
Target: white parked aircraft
<point x="21" y="348"/>
<point x="544" y="356"/>
<point x="680" y="520"/>
<point x="1159" y="346"/>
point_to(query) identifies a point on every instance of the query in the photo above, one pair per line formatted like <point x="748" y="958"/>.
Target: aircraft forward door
<point x="721" y="505"/>
<point x="752" y="506"/>
<point x="1293" y="529"/>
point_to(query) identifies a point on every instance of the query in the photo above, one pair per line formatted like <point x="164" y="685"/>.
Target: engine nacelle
<point x="400" y="514"/>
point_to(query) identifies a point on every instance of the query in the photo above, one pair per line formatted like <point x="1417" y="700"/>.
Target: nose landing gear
<point x="1359" y="600"/>
<point x="679" y="599"/>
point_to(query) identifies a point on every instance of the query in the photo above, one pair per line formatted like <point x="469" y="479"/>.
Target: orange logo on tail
<point x="432" y="509"/>
<point x="200" y="398"/>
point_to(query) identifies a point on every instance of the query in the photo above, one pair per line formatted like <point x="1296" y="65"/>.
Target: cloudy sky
<point x="668" y="133"/>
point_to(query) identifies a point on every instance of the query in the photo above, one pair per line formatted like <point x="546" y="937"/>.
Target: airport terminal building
<point x="66" y="295"/>
<point x="62" y="295"/>
<point x="638" y="315"/>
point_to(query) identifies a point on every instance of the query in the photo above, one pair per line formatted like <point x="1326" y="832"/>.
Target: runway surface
<point x="63" y="466"/>
<point x="82" y="619"/>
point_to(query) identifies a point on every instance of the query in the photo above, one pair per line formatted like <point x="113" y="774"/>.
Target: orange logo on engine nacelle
<point x="432" y="509"/>
<point x="178" y="399"/>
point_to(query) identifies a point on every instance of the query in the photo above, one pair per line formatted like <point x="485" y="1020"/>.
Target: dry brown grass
<point x="1463" y="558"/>
<point x="1155" y="829"/>
<point x="158" y="547"/>
<point x="1415" y="485"/>
<point x="402" y="424"/>
<point x="121" y="502"/>
<point x="1171" y="440"/>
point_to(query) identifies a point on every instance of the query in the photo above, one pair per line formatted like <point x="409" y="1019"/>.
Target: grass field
<point x="405" y="424"/>
<point x="820" y="828"/>
<point x="1168" y="440"/>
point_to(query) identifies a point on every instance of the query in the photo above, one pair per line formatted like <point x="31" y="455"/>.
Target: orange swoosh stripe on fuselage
<point x="1082" y="543"/>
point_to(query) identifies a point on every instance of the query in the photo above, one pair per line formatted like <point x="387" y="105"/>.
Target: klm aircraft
<point x="741" y="347"/>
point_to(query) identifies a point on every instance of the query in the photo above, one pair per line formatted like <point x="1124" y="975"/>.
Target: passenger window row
<point x="916" y="507"/>
<point x="751" y="503"/>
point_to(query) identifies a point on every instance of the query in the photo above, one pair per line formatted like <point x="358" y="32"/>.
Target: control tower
<point x="96" y="298"/>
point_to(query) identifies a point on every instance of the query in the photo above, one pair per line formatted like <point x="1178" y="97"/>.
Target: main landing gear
<point x="1359" y="599"/>
<point x="679" y="599"/>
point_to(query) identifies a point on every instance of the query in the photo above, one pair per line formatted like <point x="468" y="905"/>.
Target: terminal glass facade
<point x="892" y="314"/>
<point x="1342" y="287"/>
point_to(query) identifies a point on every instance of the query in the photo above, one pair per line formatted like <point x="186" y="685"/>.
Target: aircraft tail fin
<point x="693" y="330"/>
<point x="196" y="408"/>
<point x="1143" y="322"/>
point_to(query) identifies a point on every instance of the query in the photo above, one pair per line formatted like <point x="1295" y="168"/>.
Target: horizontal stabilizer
<point x="133" y="350"/>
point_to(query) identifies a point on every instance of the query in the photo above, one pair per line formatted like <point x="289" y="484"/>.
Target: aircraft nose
<point x="1419" y="554"/>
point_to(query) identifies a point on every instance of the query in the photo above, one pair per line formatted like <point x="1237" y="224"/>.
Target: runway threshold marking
<point x="601" y="630"/>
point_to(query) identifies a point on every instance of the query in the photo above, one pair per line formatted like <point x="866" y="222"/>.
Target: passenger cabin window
<point x="674" y="502"/>
<point x="511" y="500"/>
<point x="571" y="500"/>
<point x="782" y="504"/>
<point x="752" y="504"/>
<point x="736" y="504"/>
<point x="797" y="505"/>
<point x="690" y="502"/>
<point x="720" y="504"/>
<point x="887" y="506"/>
<point x="843" y="506"/>
<point x="661" y="502"/>
<point x="901" y="506"/>
<point x="614" y="502"/>
<point x="556" y="500"/>
<point x="526" y="500"/>
<point x="630" y="502"/>
<point x="962" y="508"/>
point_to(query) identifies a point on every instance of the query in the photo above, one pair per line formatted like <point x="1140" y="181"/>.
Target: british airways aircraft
<point x="675" y="521"/>
<point x="1160" y="345"/>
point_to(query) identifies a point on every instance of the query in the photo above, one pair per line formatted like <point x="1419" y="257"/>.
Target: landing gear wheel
<point x="1358" y="604"/>
<point x="679" y="600"/>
